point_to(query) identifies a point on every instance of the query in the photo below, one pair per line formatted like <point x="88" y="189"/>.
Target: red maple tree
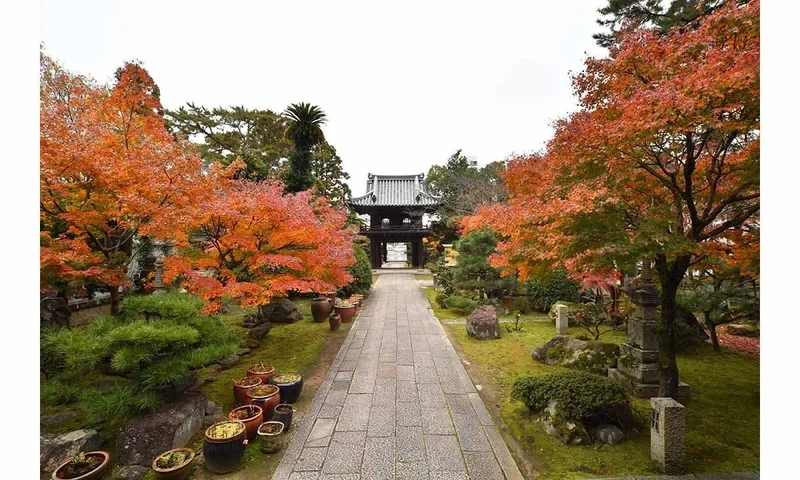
<point x="660" y="162"/>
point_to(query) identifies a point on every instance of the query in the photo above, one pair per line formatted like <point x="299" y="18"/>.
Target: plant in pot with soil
<point x="283" y="413"/>
<point x="335" y="320"/>
<point x="320" y="308"/>
<point x="223" y="446"/>
<point x="83" y="466"/>
<point x="357" y="298"/>
<point x="266" y="397"/>
<point x="261" y="370"/>
<point x="175" y="464"/>
<point x="251" y="415"/>
<point x="240" y="387"/>
<point x="270" y="436"/>
<point x="346" y="309"/>
<point x="290" y="385"/>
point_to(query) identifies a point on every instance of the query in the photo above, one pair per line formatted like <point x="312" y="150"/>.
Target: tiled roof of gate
<point x="396" y="190"/>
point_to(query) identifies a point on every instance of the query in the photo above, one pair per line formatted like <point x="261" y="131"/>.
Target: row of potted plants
<point x="336" y="310"/>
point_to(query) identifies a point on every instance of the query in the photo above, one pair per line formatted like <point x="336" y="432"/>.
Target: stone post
<point x="562" y="322"/>
<point x="638" y="364"/>
<point x="668" y="435"/>
<point x="158" y="283"/>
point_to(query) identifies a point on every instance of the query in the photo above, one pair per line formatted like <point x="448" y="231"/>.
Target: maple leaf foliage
<point x="109" y="170"/>
<point x="661" y="161"/>
<point x="251" y="242"/>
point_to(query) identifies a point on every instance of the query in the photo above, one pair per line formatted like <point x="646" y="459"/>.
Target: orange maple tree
<point x="109" y="171"/>
<point x="250" y="242"/>
<point x="660" y="162"/>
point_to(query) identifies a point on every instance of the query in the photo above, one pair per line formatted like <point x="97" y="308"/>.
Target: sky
<point x="404" y="85"/>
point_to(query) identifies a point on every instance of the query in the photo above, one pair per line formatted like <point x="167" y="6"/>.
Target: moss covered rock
<point x="590" y="356"/>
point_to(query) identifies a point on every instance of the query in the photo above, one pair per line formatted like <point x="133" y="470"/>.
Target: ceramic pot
<point x="320" y="308"/>
<point x="283" y="413"/>
<point x="335" y="320"/>
<point x="262" y="371"/>
<point x="223" y="450"/>
<point x="270" y="436"/>
<point x="178" y="472"/>
<point x="290" y="384"/>
<point x="266" y="397"/>
<point x="240" y="387"/>
<point x="95" y="474"/>
<point x="347" y="313"/>
<point x="251" y="415"/>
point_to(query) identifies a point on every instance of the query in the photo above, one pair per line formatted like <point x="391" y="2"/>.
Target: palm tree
<point x="305" y="125"/>
<point x="305" y="131"/>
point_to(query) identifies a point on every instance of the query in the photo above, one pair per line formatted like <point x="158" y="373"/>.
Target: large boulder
<point x="555" y="423"/>
<point x="482" y="323"/>
<point x="260" y="331"/>
<point x="54" y="311"/>
<point x="279" y="310"/>
<point x="688" y="330"/>
<point x="591" y="356"/>
<point x="743" y="330"/>
<point x="171" y="427"/>
<point x="56" y="448"/>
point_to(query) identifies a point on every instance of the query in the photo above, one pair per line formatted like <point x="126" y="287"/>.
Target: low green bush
<point x="460" y="305"/>
<point x="522" y="305"/>
<point x="361" y="271"/>
<point x="169" y="306"/>
<point x="57" y="393"/>
<point x="441" y="298"/>
<point x="119" y="401"/>
<point x="589" y="399"/>
<point x="546" y="290"/>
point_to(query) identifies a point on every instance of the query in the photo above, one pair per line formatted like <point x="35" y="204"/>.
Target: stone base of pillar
<point x="640" y="389"/>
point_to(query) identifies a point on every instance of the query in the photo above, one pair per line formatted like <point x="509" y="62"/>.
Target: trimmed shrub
<point x="522" y="305"/>
<point x="169" y="306"/>
<point x="580" y="396"/>
<point x="546" y="291"/>
<point x="440" y="300"/>
<point x="361" y="272"/>
<point x="460" y="305"/>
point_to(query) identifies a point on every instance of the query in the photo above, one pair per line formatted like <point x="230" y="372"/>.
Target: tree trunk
<point x="670" y="273"/>
<point x="712" y="330"/>
<point x="114" y="290"/>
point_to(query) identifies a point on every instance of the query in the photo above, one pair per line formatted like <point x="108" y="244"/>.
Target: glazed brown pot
<point x="254" y="418"/>
<point x="267" y="399"/>
<point x="265" y="376"/>
<point x="95" y="474"/>
<point x="320" y="308"/>
<point x="335" y="320"/>
<point x="240" y="391"/>
<point x="347" y="313"/>
<point x="179" y="472"/>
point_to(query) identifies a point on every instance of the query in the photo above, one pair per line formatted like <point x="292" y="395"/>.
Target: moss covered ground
<point x="722" y="416"/>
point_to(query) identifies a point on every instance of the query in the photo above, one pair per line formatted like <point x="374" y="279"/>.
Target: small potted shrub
<point x="266" y="397"/>
<point x="83" y="466"/>
<point x="270" y="436"/>
<point x="251" y="415"/>
<point x="240" y="386"/>
<point x="283" y="413"/>
<point x="261" y="370"/>
<point x="346" y="309"/>
<point x="335" y="320"/>
<point x="359" y="299"/>
<point x="320" y="308"/>
<point x="223" y="446"/>
<point x="290" y="385"/>
<point x="175" y="464"/>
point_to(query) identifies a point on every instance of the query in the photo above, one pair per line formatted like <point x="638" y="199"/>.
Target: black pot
<point x="289" y="391"/>
<point x="224" y="455"/>
<point x="284" y="418"/>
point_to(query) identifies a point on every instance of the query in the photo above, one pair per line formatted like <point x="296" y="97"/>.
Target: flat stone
<point x="412" y="470"/>
<point x="444" y="453"/>
<point x="321" y="432"/>
<point x="482" y="466"/>
<point x="382" y="419"/>
<point x="436" y="421"/>
<point x="57" y="418"/>
<point x="378" y="461"/>
<point x="304" y="476"/>
<point x="345" y="453"/>
<point x="410" y="444"/>
<point x="355" y="413"/>
<point x="311" y="459"/>
<point x="228" y="362"/>
<point x="260" y="331"/>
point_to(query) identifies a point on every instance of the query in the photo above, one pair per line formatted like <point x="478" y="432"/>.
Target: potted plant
<point x="346" y="309"/>
<point x="335" y="320"/>
<point x="175" y="464"/>
<point x="269" y="436"/>
<point x="358" y="298"/>
<point x="266" y="397"/>
<point x="251" y="415"/>
<point x="240" y="386"/>
<point x="261" y="370"/>
<point x="283" y="413"/>
<point x="223" y="446"/>
<point x="290" y="385"/>
<point x="320" y="308"/>
<point x="354" y="301"/>
<point x="83" y="466"/>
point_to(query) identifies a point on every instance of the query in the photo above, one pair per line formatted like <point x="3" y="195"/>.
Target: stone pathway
<point x="397" y="403"/>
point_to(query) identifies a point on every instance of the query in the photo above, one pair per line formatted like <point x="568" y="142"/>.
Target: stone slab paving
<point x="694" y="476"/>
<point x="397" y="403"/>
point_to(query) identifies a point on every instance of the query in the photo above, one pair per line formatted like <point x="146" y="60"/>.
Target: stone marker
<point x="158" y="283"/>
<point x="668" y="434"/>
<point x="561" y="319"/>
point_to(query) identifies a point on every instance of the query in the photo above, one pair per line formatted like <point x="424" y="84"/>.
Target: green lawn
<point x="722" y="416"/>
